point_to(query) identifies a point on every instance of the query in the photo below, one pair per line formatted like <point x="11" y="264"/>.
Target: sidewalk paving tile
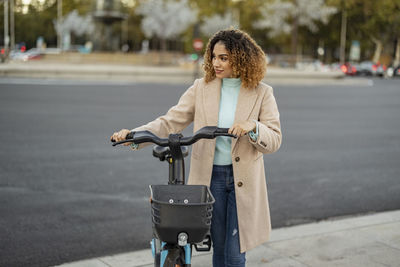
<point x="371" y="219"/>
<point x="344" y="248"/>
<point x="136" y="258"/>
<point x="361" y="241"/>
<point x="267" y="256"/>
<point x="388" y="234"/>
<point x="86" y="263"/>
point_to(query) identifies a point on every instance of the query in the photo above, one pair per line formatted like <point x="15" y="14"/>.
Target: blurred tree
<point x="132" y="32"/>
<point x="380" y="19"/>
<point x="376" y="24"/>
<point x="291" y="25"/>
<point x="33" y="21"/>
<point x="166" y="19"/>
<point x="72" y="23"/>
<point x="207" y="8"/>
<point x="218" y="22"/>
<point x="286" y="16"/>
<point x="225" y="13"/>
<point x="36" y="19"/>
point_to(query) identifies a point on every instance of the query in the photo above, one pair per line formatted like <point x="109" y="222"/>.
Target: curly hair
<point x="246" y="57"/>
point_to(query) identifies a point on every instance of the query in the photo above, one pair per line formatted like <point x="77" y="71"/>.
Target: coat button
<point x="239" y="184"/>
<point x="237" y="159"/>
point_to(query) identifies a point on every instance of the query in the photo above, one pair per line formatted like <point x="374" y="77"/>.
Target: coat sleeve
<point x="269" y="131"/>
<point x="176" y="119"/>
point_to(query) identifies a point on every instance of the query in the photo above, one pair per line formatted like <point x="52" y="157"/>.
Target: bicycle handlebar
<point x="207" y="132"/>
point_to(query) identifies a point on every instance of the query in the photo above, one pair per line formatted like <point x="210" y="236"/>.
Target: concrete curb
<point x="94" y="72"/>
<point x="135" y="73"/>
<point x="360" y="241"/>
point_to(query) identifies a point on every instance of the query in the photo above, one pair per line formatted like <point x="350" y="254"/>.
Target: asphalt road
<point x="66" y="194"/>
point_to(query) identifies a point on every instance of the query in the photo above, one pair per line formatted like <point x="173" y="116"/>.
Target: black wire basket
<point x="181" y="208"/>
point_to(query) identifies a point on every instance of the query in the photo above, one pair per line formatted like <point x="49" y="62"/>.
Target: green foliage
<point x="367" y="21"/>
<point x="37" y="19"/>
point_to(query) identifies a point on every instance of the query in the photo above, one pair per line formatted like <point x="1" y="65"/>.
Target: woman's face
<point x="220" y="61"/>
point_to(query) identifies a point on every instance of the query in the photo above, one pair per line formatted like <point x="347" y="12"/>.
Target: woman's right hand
<point x="120" y="136"/>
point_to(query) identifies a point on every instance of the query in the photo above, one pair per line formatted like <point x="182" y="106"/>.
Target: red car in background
<point x="349" y="69"/>
<point x="3" y="54"/>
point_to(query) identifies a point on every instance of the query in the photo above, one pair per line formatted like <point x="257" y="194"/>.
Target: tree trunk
<point x="163" y="51"/>
<point x="396" y="61"/>
<point x="163" y="45"/>
<point x="343" y="31"/>
<point x="378" y="50"/>
<point x="295" y="33"/>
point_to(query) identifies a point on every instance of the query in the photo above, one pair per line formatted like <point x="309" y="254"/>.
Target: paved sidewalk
<point x="362" y="241"/>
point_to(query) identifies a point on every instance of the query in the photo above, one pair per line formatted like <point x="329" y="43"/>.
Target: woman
<point x="231" y="95"/>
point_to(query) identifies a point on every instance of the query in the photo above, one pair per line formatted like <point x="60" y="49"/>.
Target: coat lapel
<point x="211" y="99"/>
<point x="246" y="101"/>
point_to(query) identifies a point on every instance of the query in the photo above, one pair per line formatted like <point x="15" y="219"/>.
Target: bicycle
<point x="181" y="213"/>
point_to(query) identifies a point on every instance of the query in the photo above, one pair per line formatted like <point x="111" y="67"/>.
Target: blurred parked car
<point x="349" y="69"/>
<point x="31" y="54"/>
<point x="379" y="69"/>
<point x="3" y="54"/>
<point x="335" y="66"/>
<point x="368" y="68"/>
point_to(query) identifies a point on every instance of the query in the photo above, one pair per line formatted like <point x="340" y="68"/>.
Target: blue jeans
<point x="224" y="224"/>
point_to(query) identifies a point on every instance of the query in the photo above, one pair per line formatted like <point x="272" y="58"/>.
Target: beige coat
<point x="200" y="105"/>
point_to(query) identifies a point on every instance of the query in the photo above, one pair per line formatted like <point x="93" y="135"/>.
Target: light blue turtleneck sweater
<point x="226" y="116"/>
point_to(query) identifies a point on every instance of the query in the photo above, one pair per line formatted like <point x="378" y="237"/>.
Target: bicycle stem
<point x="176" y="172"/>
<point x="177" y="166"/>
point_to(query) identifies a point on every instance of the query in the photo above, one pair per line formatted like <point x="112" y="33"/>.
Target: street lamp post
<point x="12" y="25"/>
<point x="59" y="16"/>
<point x="343" y="35"/>
<point x="6" y="37"/>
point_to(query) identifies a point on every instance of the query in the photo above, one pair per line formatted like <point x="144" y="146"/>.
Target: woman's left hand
<point x="241" y="128"/>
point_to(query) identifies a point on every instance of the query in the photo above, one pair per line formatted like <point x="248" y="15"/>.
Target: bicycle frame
<point x="171" y="254"/>
<point x="176" y="162"/>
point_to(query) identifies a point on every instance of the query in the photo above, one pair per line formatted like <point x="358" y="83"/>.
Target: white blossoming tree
<point x="73" y="23"/>
<point x="218" y="22"/>
<point x="166" y="19"/>
<point x="286" y="16"/>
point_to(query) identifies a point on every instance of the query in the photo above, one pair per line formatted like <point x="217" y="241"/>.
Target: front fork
<point x="160" y="254"/>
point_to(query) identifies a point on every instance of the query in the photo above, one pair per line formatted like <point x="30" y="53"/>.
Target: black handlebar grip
<point x="130" y="135"/>
<point x="222" y="130"/>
